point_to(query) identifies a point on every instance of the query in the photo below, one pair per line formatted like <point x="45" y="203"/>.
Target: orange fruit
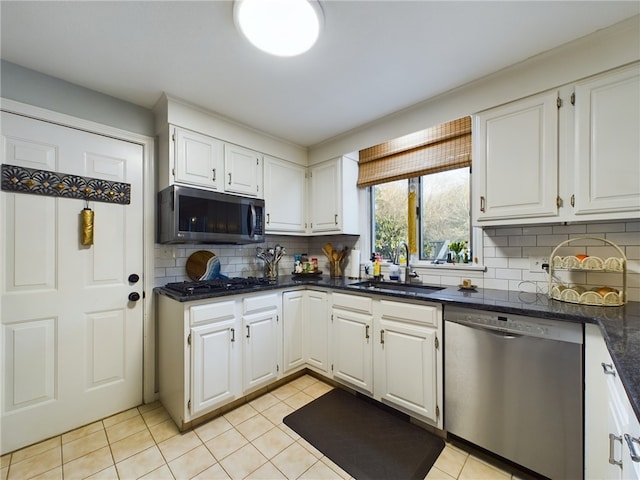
<point x="581" y="256"/>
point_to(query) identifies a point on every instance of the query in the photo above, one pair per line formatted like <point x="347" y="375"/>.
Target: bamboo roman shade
<point x="444" y="147"/>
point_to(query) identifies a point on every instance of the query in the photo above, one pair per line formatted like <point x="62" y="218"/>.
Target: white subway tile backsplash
<point x="633" y="227"/>
<point x="509" y="274"/>
<point x="502" y="241"/>
<point x="605" y="227"/>
<point x="574" y="228"/>
<point x="508" y="231"/>
<point x="537" y="230"/>
<point x="522" y="241"/>
<point x="551" y="240"/>
<point x="496" y="262"/>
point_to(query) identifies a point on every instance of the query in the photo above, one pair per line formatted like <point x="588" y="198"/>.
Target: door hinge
<point x="573" y="98"/>
<point x="173" y="137"/>
<point x="189" y="405"/>
<point x="559" y="102"/>
<point x="437" y="411"/>
<point x="437" y="342"/>
<point x="277" y="368"/>
<point x="173" y="172"/>
<point x="332" y="367"/>
<point x="277" y="318"/>
<point x="189" y="340"/>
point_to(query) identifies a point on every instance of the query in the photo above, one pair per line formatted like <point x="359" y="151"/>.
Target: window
<point x="443" y="219"/>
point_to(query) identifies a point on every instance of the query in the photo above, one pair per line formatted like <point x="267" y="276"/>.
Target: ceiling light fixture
<point x="280" y="27"/>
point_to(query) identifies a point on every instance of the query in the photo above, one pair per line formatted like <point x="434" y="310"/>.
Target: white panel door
<point x="199" y="159"/>
<point x="284" y="196"/>
<point x="316" y="327"/>
<point x="353" y="349"/>
<point x="242" y="171"/>
<point x="260" y="332"/>
<point x="293" y="329"/>
<point x="72" y="341"/>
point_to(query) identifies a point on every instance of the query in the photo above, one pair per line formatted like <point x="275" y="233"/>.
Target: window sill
<point x="460" y="267"/>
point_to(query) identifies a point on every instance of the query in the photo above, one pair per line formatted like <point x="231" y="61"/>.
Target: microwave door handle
<point x="252" y="224"/>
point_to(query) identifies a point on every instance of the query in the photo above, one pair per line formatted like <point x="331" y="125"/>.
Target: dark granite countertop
<point x="620" y="326"/>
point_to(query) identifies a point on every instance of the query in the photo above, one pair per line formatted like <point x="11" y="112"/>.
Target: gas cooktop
<point x="218" y="284"/>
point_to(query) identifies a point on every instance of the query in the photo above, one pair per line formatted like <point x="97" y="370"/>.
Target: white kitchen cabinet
<point x="198" y="159"/>
<point x="516" y="159"/>
<point x="293" y="331"/>
<point x="316" y="327"/>
<point x="284" y="196"/>
<point x="408" y="358"/>
<point x="200" y="361"/>
<point x="260" y="329"/>
<point x="534" y="163"/>
<point x="607" y="144"/>
<point x="612" y="430"/>
<point x="333" y="197"/>
<point x="352" y="341"/>
<point x="243" y="171"/>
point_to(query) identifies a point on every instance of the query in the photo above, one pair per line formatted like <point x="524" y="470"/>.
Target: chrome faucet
<point x="408" y="274"/>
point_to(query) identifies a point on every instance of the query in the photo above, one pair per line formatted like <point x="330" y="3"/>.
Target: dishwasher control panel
<point x="516" y="324"/>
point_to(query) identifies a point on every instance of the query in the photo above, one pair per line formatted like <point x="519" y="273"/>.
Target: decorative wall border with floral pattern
<point x="54" y="184"/>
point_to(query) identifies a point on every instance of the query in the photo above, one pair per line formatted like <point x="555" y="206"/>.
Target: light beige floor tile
<point x="89" y="464"/>
<point x="299" y="400"/>
<point x="265" y="401"/>
<point x="318" y="389"/>
<point x="213" y="473"/>
<point x="213" y="428"/>
<point x="285" y="391"/>
<point x="276" y="413"/>
<point x="153" y="417"/>
<point x="335" y="467"/>
<point x="254" y="427"/>
<point x="303" y="382"/>
<point x="179" y="445"/>
<point x="240" y="414"/>
<point x="319" y="471"/>
<point x="37" y="449"/>
<point x="476" y="469"/>
<point x="272" y="442"/>
<point x="141" y="463"/>
<point x="226" y="443"/>
<point x="294" y="460"/>
<point x="451" y="460"/>
<point x="120" y="417"/>
<point x="36" y="464"/>
<point x="289" y="431"/>
<point x="5" y="460"/>
<point x="4" y="473"/>
<point x="164" y="431"/>
<point x="129" y="446"/>
<point x="192" y="463"/>
<point x="109" y="473"/>
<point x="267" y="472"/>
<point x="147" y="407"/>
<point x="82" y="432"/>
<point x="53" y="474"/>
<point x="162" y="473"/>
<point x="437" y="474"/>
<point x="243" y="462"/>
<point x="83" y="445"/>
<point x="310" y="448"/>
<point x="125" y="428"/>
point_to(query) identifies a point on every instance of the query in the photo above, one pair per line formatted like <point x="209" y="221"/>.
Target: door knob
<point x="133" y="278"/>
<point x="134" y="296"/>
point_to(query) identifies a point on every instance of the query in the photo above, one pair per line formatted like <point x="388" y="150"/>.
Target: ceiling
<point x="374" y="58"/>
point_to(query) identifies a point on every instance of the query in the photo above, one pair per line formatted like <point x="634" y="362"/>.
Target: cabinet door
<point x="408" y="376"/>
<point x="260" y="348"/>
<point x="215" y="363"/>
<point x="607" y="169"/>
<point x="316" y="326"/>
<point x="284" y="196"/>
<point x="353" y="349"/>
<point x="243" y="171"/>
<point x="326" y="196"/>
<point x="293" y="329"/>
<point x="198" y="159"/>
<point x="516" y="160"/>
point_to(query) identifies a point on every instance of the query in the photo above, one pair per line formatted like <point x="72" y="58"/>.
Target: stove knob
<point x="134" y="296"/>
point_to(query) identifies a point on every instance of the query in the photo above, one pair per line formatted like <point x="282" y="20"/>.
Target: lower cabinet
<point x="612" y="431"/>
<point x="408" y="362"/>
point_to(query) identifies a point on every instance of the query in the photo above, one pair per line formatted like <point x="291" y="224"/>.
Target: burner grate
<point x="218" y="284"/>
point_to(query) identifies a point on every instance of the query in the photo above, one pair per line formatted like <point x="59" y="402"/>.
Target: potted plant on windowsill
<point x="456" y="248"/>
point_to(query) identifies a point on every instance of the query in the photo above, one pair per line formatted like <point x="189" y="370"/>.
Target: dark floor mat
<point x="365" y="440"/>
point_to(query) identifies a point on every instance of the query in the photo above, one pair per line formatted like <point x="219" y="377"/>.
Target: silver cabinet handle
<point x="229" y="179"/>
<point x="631" y="444"/>
<point x="248" y="331"/>
<point x="335" y="218"/>
<point x="608" y="369"/>
<point x="233" y="334"/>
<point x="613" y="438"/>
<point x="214" y="175"/>
<point x="366" y="332"/>
<point x="482" y="203"/>
<point x="268" y="218"/>
<point x="382" y="337"/>
<point x="573" y="200"/>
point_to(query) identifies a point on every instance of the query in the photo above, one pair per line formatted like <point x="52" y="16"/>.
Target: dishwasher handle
<point x="492" y="330"/>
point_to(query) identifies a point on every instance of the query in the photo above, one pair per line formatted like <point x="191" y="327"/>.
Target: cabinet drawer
<point x="261" y="302"/>
<point x="209" y="312"/>
<point x="423" y="314"/>
<point x="352" y="302"/>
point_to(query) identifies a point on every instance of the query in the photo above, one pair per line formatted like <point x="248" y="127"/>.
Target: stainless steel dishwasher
<point x="513" y="386"/>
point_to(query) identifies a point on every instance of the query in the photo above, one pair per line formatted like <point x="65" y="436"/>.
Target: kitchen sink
<point x="399" y="287"/>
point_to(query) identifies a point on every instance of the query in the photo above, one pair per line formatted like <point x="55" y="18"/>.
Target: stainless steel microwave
<point x="192" y="215"/>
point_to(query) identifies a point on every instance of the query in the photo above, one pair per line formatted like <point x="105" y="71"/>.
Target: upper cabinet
<point x="284" y="196"/>
<point x="242" y="171"/>
<point x="569" y="154"/>
<point x="198" y="158"/>
<point x="333" y="197"/>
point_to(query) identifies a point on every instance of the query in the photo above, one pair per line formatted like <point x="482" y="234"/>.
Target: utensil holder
<point x="271" y="271"/>
<point x="335" y="268"/>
